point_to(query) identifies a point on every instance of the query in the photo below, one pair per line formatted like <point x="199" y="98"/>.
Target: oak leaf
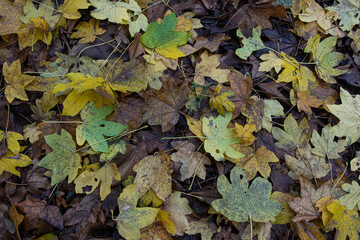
<point x="132" y="219"/>
<point x="239" y="201"/>
<point x="163" y="39"/>
<point x="154" y="172"/>
<point x="193" y="163"/>
<point x="164" y="105"/>
<point x="251" y="44"/>
<point x="63" y="161"/>
<point x="219" y="138"/>
<point x="346" y="222"/>
<point x="16" y="81"/>
<point x="87" y="31"/>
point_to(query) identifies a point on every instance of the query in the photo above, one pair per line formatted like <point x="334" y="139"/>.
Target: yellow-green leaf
<point x="10" y="161"/>
<point x="251" y="44"/>
<point x="70" y="8"/>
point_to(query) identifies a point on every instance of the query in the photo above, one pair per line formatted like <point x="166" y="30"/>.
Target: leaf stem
<point x="161" y="139"/>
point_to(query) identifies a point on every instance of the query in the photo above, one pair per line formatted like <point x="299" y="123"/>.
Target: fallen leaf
<point x="252" y="109"/>
<point x="154" y="172"/>
<point x="204" y="227"/>
<point x="178" y="208"/>
<point x="239" y="201"/>
<point x="294" y="136"/>
<point x="271" y="60"/>
<point x="352" y="198"/>
<point x="87" y="31"/>
<point x="261" y="230"/>
<point x="305" y="101"/>
<point x="208" y="67"/>
<point x="355" y="36"/>
<point x="287" y="213"/>
<point x="245" y="133"/>
<point x="348" y="12"/>
<point x="70" y="8"/>
<point x="104" y="175"/>
<point x="315" y="13"/>
<point x="32" y="132"/>
<point x="131" y="218"/>
<point x="221" y="102"/>
<point x="39" y="113"/>
<point x="326" y="60"/>
<point x="346" y="222"/>
<point x="251" y="44"/>
<point x="11" y="12"/>
<point x="12" y="139"/>
<point x="193" y="163"/>
<point x="163" y="39"/>
<point x="347" y="112"/>
<point x="94" y="128"/>
<point x="10" y="161"/>
<point x="63" y="161"/>
<point x="325" y="146"/>
<point x="258" y="162"/>
<point x="219" y="138"/>
<point x="271" y="108"/>
<point x="309" y="230"/>
<point x="164" y="105"/>
<point x="16" y="81"/>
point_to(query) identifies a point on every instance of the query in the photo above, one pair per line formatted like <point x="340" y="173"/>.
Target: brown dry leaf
<point x="177" y="208"/>
<point x="32" y="132"/>
<point x="154" y="172"/>
<point x="16" y="81"/>
<point x="304" y="206"/>
<point x="164" y="105"/>
<point x="208" y="68"/>
<point x="258" y="162"/>
<point x="10" y="12"/>
<point x="253" y="110"/>
<point x="16" y="217"/>
<point x="155" y="231"/>
<point x="129" y="112"/>
<point x="305" y="101"/>
<point x="40" y="210"/>
<point x="192" y="162"/>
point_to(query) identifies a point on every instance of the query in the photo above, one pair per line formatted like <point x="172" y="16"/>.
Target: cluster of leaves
<point x="160" y="83"/>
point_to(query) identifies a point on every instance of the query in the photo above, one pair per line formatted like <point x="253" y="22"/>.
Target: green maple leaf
<point x="239" y="202"/>
<point x="348" y="112"/>
<point x="251" y="44"/>
<point x="220" y="138"/>
<point x="325" y="145"/>
<point x="63" y="161"/>
<point x="348" y="12"/>
<point x="351" y="199"/>
<point x="164" y="39"/>
<point x="131" y="218"/>
<point x="325" y="58"/>
<point x="94" y="128"/>
<point x="294" y="135"/>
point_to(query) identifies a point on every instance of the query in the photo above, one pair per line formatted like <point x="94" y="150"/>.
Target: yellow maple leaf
<point x="271" y="60"/>
<point x="315" y="13"/>
<point x="104" y="175"/>
<point x="208" y="68"/>
<point x="83" y="92"/>
<point x="10" y="161"/>
<point x="12" y="139"/>
<point x="70" y="8"/>
<point x="16" y="81"/>
<point x="245" y="133"/>
<point x="221" y="102"/>
<point x="87" y="31"/>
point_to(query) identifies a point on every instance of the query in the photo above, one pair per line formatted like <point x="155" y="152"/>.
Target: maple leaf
<point x="83" y="92"/>
<point x="326" y="60"/>
<point x="10" y="161"/>
<point x="10" y="12"/>
<point x="252" y="109"/>
<point x="141" y="23"/>
<point x="177" y="208"/>
<point x="63" y="161"/>
<point x="348" y="12"/>
<point x="271" y="108"/>
<point x="351" y="199"/>
<point x="44" y="11"/>
<point x="305" y="101"/>
<point x="219" y="138"/>
<point x="39" y="113"/>
<point x="164" y="105"/>
<point x="315" y="13"/>
<point x="258" y="162"/>
<point x="348" y="112"/>
<point x="116" y="146"/>
<point x="251" y="44"/>
<point x="16" y="81"/>
<point x="221" y="102"/>
<point x="239" y="201"/>
<point x="245" y="133"/>
<point x="271" y="60"/>
<point x="208" y="68"/>
<point x="113" y="11"/>
<point x="12" y="139"/>
<point x="192" y="162"/>
<point x="94" y="128"/>
<point x="104" y="175"/>
<point x="294" y="135"/>
<point x="204" y="227"/>
<point x="164" y="39"/>
<point x="346" y="222"/>
<point x="164" y="218"/>
<point x="306" y="164"/>
<point x="87" y="31"/>
<point x="32" y="132"/>
<point x="287" y="213"/>
<point x="325" y="146"/>
<point x="131" y="218"/>
<point x="355" y="36"/>
<point x="70" y="8"/>
<point x="154" y="172"/>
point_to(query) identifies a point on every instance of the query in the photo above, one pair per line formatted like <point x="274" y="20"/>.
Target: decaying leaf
<point x="87" y="31"/>
<point x="221" y="101"/>
<point x="63" y="161"/>
<point x="240" y="202"/>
